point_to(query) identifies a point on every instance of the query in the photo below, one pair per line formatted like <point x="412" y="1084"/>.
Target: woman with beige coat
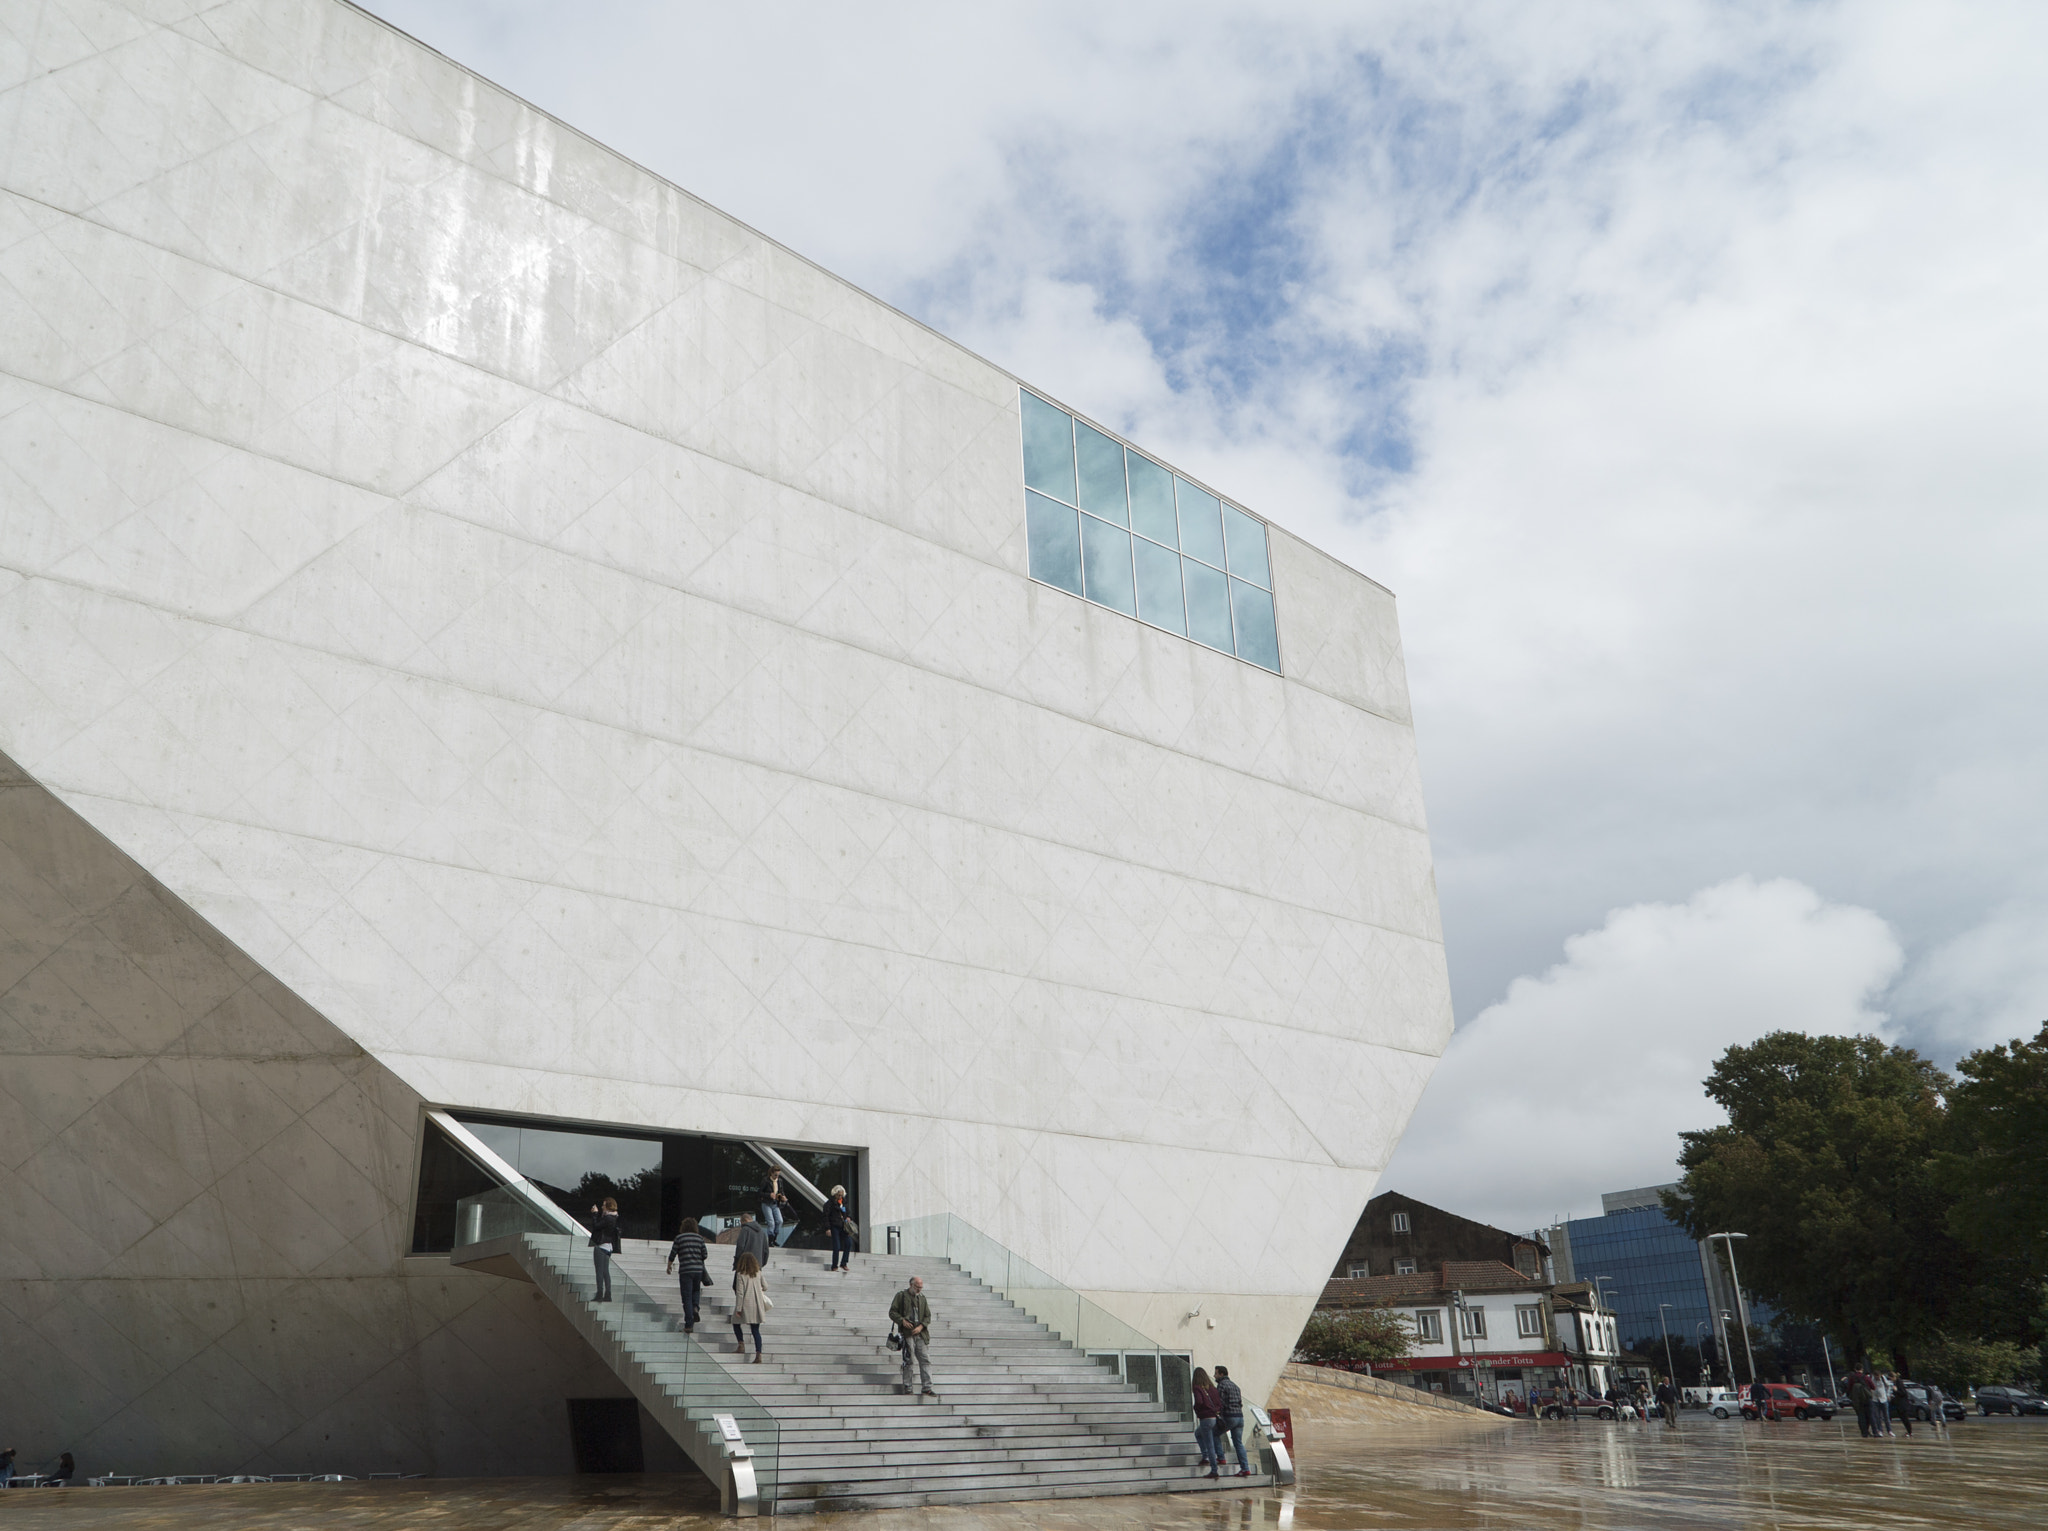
<point x="750" y="1302"/>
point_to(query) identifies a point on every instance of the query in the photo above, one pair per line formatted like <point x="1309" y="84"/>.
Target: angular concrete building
<point x="484" y="633"/>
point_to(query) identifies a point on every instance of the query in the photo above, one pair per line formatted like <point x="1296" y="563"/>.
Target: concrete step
<point x="1020" y="1413"/>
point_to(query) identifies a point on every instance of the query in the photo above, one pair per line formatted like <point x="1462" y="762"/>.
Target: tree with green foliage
<point x="1828" y="1164"/>
<point x="1356" y="1334"/>
<point x="1997" y="1156"/>
<point x="1958" y="1366"/>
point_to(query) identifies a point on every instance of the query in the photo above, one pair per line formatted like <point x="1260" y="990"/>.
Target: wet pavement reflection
<point x="1980" y="1474"/>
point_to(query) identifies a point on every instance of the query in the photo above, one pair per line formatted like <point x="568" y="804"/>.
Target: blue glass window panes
<point x="1048" y="449"/>
<point x="1252" y="611"/>
<point x="1152" y="502"/>
<point x="1247" y="541"/>
<point x="1201" y="523"/>
<point x="1102" y="474"/>
<point x="1159" y="600"/>
<point x="1119" y="530"/>
<point x="1106" y="564"/>
<point x="1055" y="541"/>
<point x="1208" y="605"/>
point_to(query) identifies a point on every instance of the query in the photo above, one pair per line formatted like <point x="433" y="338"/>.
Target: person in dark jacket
<point x="752" y="1239"/>
<point x="1860" y="1395"/>
<point x="1230" y="1420"/>
<point x="1760" y="1398"/>
<point x="1207" y="1407"/>
<point x="839" y="1223"/>
<point x="1667" y="1402"/>
<point x="604" y="1243"/>
<point x="61" y="1475"/>
<point x="689" y="1252"/>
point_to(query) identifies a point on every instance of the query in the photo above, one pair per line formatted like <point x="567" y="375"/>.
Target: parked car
<point x="1916" y="1395"/>
<point x="1722" y="1402"/>
<point x="1552" y="1403"/>
<point x="2010" y="1400"/>
<point x="1784" y="1401"/>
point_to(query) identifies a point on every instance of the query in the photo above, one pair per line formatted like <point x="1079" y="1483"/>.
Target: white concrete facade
<point x="583" y="652"/>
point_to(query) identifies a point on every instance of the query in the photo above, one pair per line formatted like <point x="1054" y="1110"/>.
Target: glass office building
<point x="1662" y="1280"/>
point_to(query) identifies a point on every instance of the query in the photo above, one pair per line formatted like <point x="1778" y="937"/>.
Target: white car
<point x="1723" y="1402"/>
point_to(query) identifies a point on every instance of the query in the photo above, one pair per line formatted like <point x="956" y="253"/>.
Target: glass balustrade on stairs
<point x="688" y="1391"/>
<point x="1165" y="1376"/>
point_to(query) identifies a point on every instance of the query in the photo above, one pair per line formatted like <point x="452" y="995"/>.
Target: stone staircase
<point x="1020" y="1414"/>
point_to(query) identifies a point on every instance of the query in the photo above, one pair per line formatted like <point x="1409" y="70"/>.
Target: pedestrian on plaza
<point x="1902" y="1401"/>
<point x="775" y="1208"/>
<point x="1207" y="1407"/>
<point x="61" y="1474"/>
<point x="1860" y="1395"/>
<point x="604" y="1243"/>
<point x="839" y="1223"/>
<point x="1760" y="1399"/>
<point x="750" y="1302"/>
<point x="752" y="1239"/>
<point x="1881" y="1403"/>
<point x="1937" y="1420"/>
<point x="911" y="1313"/>
<point x="1230" y="1420"/>
<point x="1667" y="1403"/>
<point x="7" y="1466"/>
<point x="690" y="1253"/>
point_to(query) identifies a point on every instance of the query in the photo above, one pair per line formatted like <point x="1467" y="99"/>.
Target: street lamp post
<point x="1741" y="1310"/>
<point x="1670" y="1371"/>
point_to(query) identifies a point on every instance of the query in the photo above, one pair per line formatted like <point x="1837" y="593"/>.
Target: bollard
<point x="895" y="1239"/>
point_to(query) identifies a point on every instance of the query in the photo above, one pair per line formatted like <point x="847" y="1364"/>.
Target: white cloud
<point x="1580" y="1080"/>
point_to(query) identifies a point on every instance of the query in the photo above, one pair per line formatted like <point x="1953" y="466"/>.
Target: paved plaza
<point x="1984" y="1474"/>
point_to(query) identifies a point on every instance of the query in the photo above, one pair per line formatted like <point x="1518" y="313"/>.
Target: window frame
<point x="1404" y="1267"/>
<point x="1240" y="647"/>
<point x="1473" y="1322"/>
<point x="1526" y="1315"/>
<point x="1429" y="1325"/>
<point x="1357" y="1270"/>
<point x="1399" y="1222"/>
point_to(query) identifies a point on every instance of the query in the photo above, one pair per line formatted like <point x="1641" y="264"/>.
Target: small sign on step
<point x="728" y="1426"/>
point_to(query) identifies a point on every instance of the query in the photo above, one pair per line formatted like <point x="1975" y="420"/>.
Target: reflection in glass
<point x="1256" y="640"/>
<point x="1102" y="474"/>
<point x="446" y="1176"/>
<point x="578" y="1170"/>
<point x="1247" y="539"/>
<point x="1106" y="559"/>
<point x="1208" y="605"/>
<point x="1152" y="501"/>
<point x="1159" y="587"/>
<point x="1048" y="448"/>
<point x="1201" y="523"/>
<point x="1055" y="541"/>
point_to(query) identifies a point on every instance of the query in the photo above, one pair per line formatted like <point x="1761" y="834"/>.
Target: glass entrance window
<point x="1107" y="523"/>
<point x="578" y="1170"/>
<point x="657" y="1178"/>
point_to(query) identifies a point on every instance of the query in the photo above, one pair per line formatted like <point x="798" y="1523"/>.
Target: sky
<point x="1680" y="367"/>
